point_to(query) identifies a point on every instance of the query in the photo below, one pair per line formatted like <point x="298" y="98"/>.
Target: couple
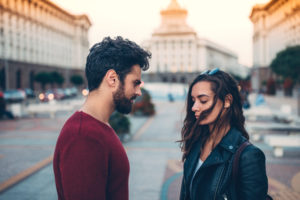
<point x="91" y="163"/>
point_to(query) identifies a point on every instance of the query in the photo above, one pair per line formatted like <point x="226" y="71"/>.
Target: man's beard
<point x="123" y="104"/>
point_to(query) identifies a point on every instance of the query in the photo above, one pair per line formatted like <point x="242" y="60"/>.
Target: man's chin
<point x="124" y="110"/>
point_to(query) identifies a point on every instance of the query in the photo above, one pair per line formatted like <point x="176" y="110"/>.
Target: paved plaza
<point x="27" y="145"/>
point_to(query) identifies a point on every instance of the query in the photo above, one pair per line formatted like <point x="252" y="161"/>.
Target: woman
<point x="212" y="132"/>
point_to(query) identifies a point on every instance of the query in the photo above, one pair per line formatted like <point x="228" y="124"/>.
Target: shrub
<point x="120" y="123"/>
<point x="143" y="105"/>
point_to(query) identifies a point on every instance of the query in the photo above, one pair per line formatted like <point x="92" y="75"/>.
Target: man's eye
<point x="136" y="83"/>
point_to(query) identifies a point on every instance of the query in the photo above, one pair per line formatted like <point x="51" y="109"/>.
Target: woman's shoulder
<point x="252" y="152"/>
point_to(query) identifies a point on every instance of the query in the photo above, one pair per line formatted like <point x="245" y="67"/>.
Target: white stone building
<point x="175" y="46"/>
<point x="276" y="26"/>
<point x="38" y="35"/>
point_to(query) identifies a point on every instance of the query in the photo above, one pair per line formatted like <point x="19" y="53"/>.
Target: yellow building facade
<point x="38" y="35"/>
<point x="276" y="26"/>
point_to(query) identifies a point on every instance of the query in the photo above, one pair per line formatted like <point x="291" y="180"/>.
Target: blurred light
<point x="41" y="96"/>
<point x="50" y="96"/>
<point x="85" y="92"/>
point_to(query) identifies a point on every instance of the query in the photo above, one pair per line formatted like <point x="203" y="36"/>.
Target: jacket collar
<point x="232" y="140"/>
<point x="225" y="149"/>
<point x="222" y="153"/>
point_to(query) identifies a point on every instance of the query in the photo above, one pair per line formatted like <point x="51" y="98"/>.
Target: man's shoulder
<point x="83" y="126"/>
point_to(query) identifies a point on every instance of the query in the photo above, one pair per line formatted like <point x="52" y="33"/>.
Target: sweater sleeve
<point x="83" y="168"/>
<point x="253" y="181"/>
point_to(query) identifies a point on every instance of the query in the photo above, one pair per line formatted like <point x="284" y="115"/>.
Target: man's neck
<point x="98" y="107"/>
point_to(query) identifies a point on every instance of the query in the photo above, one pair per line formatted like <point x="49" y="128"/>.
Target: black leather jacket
<point x="213" y="181"/>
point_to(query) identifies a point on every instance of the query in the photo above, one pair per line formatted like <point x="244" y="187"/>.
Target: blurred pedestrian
<point x="245" y="100"/>
<point x="89" y="160"/>
<point x="3" y="111"/>
<point x="212" y="133"/>
<point x="260" y="100"/>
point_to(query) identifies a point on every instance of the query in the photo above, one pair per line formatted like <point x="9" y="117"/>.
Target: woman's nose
<point x="195" y="107"/>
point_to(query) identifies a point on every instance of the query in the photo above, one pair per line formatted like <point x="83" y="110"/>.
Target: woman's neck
<point x="217" y="135"/>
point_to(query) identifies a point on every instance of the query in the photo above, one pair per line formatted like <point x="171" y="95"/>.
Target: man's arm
<point x="83" y="168"/>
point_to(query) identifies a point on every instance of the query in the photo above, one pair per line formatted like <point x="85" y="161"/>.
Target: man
<point x="89" y="160"/>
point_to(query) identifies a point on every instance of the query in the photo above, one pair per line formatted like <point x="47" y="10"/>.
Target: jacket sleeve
<point x="253" y="181"/>
<point x="83" y="169"/>
<point x="182" y="190"/>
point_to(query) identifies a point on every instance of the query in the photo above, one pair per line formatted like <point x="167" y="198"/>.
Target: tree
<point x="57" y="78"/>
<point x="76" y="79"/>
<point x="43" y="78"/>
<point x="287" y="63"/>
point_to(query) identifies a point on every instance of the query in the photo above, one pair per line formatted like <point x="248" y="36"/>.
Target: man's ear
<point x="228" y="101"/>
<point x="111" y="78"/>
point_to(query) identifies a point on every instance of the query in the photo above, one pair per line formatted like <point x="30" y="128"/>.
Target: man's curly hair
<point x="118" y="54"/>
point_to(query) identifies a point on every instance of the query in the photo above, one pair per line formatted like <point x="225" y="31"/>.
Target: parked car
<point x="14" y="96"/>
<point x="67" y="92"/>
<point x="29" y="93"/>
<point x="46" y="96"/>
<point x="57" y="94"/>
<point x="74" y="91"/>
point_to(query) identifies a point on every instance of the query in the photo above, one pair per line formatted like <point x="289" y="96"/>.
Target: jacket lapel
<point x="221" y="154"/>
<point x="224" y="150"/>
<point x="191" y="162"/>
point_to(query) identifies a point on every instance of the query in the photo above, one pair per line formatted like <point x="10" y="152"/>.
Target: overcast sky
<point x="225" y="22"/>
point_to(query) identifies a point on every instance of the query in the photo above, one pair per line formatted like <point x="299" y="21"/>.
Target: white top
<point x="200" y="162"/>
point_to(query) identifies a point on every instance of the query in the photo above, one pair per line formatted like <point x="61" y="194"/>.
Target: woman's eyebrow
<point x="200" y="95"/>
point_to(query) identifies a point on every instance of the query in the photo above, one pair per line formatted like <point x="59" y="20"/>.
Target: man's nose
<point x="139" y="92"/>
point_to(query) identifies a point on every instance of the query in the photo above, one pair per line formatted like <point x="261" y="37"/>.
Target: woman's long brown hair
<point x="222" y="84"/>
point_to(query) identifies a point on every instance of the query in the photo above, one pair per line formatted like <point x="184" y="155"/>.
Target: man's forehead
<point x="135" y="72"/>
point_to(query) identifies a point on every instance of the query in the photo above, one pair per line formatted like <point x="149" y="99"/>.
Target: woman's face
<point x="203" y="98"/>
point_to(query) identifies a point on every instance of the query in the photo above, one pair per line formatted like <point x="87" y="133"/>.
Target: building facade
<point x="176" y="48"/>
<point x="276" y="26"/>
<point x="36" y="36"/>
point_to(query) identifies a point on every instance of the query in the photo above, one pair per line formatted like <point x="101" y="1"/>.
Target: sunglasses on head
<point x="210" y="72"/>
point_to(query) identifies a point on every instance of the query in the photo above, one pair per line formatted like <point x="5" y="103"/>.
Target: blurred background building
<point x="276" y="26"/>
<point x="39" y="36"/>
<point x="177" y="51"/>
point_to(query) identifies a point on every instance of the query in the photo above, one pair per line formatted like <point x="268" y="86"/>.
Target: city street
<point x="27" y="144"/>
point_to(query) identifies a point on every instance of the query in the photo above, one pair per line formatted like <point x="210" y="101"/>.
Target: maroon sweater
<point x="90" y="161"/>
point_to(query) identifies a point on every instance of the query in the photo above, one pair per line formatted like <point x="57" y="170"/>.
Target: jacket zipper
<point x="219" y="182"/>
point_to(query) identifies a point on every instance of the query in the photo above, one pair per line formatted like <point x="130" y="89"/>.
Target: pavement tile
<point x="154" y="157"/>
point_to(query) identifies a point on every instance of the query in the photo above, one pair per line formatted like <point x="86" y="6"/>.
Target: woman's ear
<point x="228" y="101"/>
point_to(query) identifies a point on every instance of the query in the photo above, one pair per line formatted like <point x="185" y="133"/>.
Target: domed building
<point x="176" y="47"/>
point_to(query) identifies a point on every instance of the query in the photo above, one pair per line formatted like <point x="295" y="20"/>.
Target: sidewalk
<point x="26" y="149"/>
<point x="26" y="146"/>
